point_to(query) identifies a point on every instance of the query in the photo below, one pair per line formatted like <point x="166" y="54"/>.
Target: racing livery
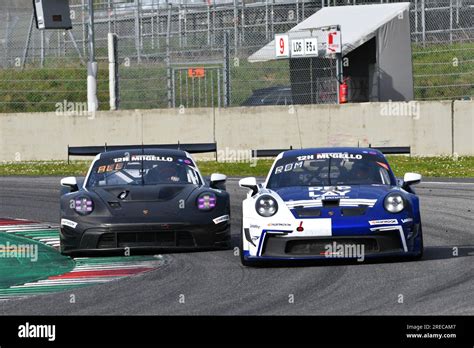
<point x="144" y="199"/>
<point x="330" y="202"/>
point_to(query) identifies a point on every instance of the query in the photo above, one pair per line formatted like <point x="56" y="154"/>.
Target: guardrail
<point x="95" y="150"/>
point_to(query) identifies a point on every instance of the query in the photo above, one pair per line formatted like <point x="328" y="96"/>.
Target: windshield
<point x="143" y="170"/>
<point x="330" y="169"/>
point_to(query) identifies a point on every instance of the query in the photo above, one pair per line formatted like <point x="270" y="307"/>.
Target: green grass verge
<point x="446" y="166"/>
<point x="443" y="71"/>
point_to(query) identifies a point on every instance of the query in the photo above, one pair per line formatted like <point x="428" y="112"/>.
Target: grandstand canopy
<point x="375" y="37"/>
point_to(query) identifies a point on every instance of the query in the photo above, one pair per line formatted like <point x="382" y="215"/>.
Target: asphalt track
<point x="216" y="283"/>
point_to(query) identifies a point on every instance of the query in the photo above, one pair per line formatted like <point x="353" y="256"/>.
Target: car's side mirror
<point x="249" y="183"/>
<point x="218" y="181"/>
<point x="70" y="182"/>
<point x="411" y="179"/>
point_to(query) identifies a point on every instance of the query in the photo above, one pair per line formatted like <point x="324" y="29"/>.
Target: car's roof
<point x="146" y="151"/>
<point x="314" y="150"/>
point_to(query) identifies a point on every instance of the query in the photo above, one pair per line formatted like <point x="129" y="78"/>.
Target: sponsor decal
<point x="320" y="156"/>
<point x="344" y="202"/>
<point x="220" y="219"/>
<point x="255" y="226"/>
<point x="109" y="168"/>
<point x="305" y="157"/>
<point x="143" y="158"/>
<point x="325" y="192"/>
<point x="69" y="223"/>
<point x="404" y="221"/>
<point x="186" y="161"/>
<point x="383" y="165"/>
<point x="278" y="224"/>
<point x="339" y="155"/>
<point x="174" y="179"/>
<point x="383" y="222"/>
<point x="288" y="167"/>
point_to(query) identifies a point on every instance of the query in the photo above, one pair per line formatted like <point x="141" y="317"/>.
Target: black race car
<point x="144" y="199"/>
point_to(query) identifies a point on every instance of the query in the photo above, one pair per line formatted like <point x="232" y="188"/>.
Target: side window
<point x="384" y="176"/>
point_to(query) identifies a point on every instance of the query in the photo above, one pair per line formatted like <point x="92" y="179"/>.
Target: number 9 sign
<point x="282" y="49"/>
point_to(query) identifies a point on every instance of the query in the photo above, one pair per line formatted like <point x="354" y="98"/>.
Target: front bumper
<point x="144" y="236"/>
<point x="384" y="241"/>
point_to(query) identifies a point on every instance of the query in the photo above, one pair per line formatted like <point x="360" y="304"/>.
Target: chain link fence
<point x="181" y="53"/>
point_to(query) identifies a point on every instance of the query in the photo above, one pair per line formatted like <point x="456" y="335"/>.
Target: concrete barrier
<point x="463" y="130"/>
<point x="426" y="129"/>
<point x="430" y="128"/>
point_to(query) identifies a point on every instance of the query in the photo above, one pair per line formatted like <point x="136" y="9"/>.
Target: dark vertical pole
<point x="28" y="41"/>
<point x="339" y="69"/>
<point x="113" y="71"/>
<point x="226" y="77"/>
<point x="168" y="58"/>
<point x="138" y="33"/>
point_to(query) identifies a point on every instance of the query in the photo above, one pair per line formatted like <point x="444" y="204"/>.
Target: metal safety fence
<point x="185" y="54"/>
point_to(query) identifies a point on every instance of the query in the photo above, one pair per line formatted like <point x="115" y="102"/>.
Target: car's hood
<point x="146" y="193"/>
<point x="159" y="200"/>
<point x="300" y="193"/>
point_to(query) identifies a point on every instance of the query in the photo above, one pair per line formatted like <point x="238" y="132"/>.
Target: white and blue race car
<point x="325" y="203"/>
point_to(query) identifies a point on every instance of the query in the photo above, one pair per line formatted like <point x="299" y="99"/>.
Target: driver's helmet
<point x="361" y="170"/>
<point x="164" y="172"/>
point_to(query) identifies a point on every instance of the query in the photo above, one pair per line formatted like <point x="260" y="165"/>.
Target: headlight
<point x="394" y="203"/>
<point x="206" y="201"/>
<point x="266" y="206"/>
<point x="83" y="205"/>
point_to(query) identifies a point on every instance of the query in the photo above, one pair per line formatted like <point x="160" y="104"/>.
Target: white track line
<point x="445" y="183"/>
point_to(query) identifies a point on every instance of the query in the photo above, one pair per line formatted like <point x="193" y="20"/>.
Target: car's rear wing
<point x="386" y="150"/>
<point x="393" y="150"/>
<point x="268" y="152"/>
<point x="95" y="150"/>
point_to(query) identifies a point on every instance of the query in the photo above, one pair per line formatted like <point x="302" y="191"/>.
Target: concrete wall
<point x="463" y="132"/>
<point x="430" y="128"/>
